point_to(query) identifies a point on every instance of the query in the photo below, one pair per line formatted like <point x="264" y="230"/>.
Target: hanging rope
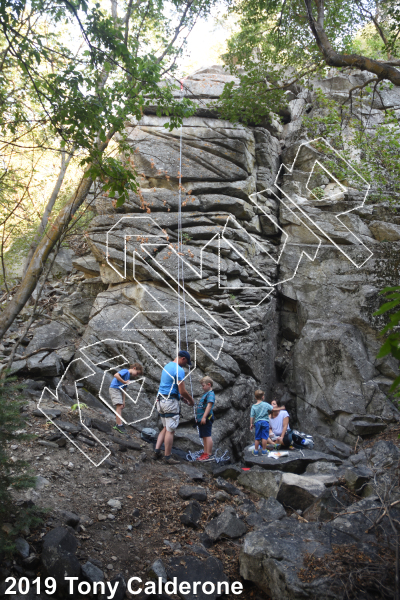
<point x="191" y="456"/>
<point x="181" y="275"/>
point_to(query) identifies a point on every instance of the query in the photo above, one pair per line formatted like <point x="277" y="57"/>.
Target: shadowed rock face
<point x="316" y="335"/>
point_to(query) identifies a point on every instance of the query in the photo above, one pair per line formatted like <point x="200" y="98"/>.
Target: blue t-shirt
<point x="260" y="412"/>
<point x="125" y="376"/>
<point x="171" y="374"/>
<point x="208" y="397"/>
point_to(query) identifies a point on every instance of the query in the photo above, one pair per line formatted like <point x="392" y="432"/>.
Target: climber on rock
<point x="170" y="392"/>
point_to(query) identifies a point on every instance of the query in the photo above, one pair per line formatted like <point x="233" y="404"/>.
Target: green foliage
<point x="72" y="75"/>
<point x="186" y="238"/>
<point x="81" y="98"/>
<point x="374" y="154"/>
<point x="75" y="407"/>
<point x="274" y="48"/>
<point x="392" y="341"/>
<point x="13" y="475"/>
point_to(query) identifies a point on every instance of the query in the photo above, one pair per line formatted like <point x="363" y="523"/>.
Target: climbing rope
<point x="191" y="456"/>
<point x="181" y="275"/>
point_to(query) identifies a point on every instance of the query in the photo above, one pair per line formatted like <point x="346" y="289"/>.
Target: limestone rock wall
<point x="250" y="322"/>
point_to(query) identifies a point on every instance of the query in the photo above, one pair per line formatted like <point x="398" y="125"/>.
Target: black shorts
<point x="205" y="430"/>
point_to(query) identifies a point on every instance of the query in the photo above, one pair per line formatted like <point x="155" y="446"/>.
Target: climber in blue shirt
<point x="171" y="390"/>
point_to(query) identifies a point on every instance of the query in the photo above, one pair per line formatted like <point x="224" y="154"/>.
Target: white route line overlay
<point x="55" y="396"/>
<point x="181" y="290"/>
<point x="298" y="207"/>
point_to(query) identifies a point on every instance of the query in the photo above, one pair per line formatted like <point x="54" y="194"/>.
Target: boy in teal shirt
<point x="259" y="416"/>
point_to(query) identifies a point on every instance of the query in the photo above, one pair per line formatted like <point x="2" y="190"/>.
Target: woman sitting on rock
<point x="280" y="431"/>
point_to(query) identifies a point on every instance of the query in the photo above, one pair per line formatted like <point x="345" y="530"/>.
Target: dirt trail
<point x="147" y="526"/>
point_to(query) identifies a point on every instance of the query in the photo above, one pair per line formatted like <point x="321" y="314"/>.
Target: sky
<point x="206" y="43"/>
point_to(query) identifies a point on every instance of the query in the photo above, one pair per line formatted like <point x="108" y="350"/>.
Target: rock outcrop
<point x="315" y="328"/>
<point x="280" y="286"/>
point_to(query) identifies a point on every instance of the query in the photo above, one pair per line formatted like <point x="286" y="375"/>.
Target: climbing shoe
<point x="157" y="454"/>
<point x="120" y="429"/>
<point x="263" y="452"/>
<point x="255" y="453"/>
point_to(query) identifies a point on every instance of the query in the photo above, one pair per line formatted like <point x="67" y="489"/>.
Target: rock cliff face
<point x="256" y="315"/>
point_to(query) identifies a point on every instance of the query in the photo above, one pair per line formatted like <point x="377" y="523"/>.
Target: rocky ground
<point x="277" y="526"/>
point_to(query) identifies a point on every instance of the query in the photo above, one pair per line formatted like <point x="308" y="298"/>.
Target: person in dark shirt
<point x="205" y="417"/>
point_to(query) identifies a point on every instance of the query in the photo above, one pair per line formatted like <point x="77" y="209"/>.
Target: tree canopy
<point x="71" y="74"/>
<point x="282" y="42"/>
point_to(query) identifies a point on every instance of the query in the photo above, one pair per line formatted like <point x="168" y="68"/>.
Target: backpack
<point x="302" y="440"/>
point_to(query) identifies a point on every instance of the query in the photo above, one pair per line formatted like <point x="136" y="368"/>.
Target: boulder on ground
<point x="22" y="547"/>
<point x="41" y="482"/>
<point x="265" y="483"/>
<point x="227" y="471"/>
<point x="299" y="491"/>
<point x="157" y="570"/>
<point x="296" y="462"/>
<point x="188" y="492"/>
<point x="384" y="454"/>
<point x="72" y="428"/>
<point x="327" y="507"/>
<point x="53" y="413"/>
<point x="267" y="511"/>
<point x="228" y="487"/>
<point x="69" y="518"/>
<point x="321" y="468"/>
<point x="16" y="367"/>
<point x="274" y="556"/>
<point x="45" y="364"/>
<point x="331" y="446"/>
<point x="62" y="264"/>
<point x="270" y="509"/>
<point x="121" y="587"/>
<point x="226" y="525"/>
<point x="357" y="477"/>
<point x="193" y="473"/>
<point x="54" y="335"/>
<point x="102" y="426"/>
<point x="191" y="515"/>
<point x="92" y="573"/>
<point x="58" y="555"/>
<point x="191" y="569"/>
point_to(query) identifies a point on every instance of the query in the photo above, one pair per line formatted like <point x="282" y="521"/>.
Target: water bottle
<point x="308" y="442"/>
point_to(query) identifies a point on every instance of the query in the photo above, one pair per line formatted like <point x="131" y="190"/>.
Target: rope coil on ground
<point x="193" y="456"/>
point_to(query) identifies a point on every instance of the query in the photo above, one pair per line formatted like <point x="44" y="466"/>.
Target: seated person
<point x="280" y="431"/>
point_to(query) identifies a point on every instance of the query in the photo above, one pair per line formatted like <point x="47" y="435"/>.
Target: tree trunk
<point x="41" y="254"/>
<point x="49" y="207"/>
<point x="383" y="70"/>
